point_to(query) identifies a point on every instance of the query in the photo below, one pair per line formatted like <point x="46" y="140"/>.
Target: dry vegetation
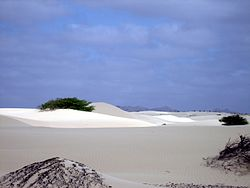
<point x="235" y="157"/>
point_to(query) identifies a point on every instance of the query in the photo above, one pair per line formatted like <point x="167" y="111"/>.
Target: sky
<point x="186" y="54"/>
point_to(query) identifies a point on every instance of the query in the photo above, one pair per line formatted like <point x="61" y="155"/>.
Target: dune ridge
<point x="67" y="118"/>
<point x="108" y="109"/>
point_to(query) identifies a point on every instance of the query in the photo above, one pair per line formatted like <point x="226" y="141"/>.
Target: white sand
<point x="152" y="155"/>
<point x="8" y="122"/>
<point x="161" y="118"/>
<point x="127" y="157"/>
<point x="171" y="118"/>
<point x="67" y="118"/>
<point x="108" y="109"/>
<point x="181" y="118"/>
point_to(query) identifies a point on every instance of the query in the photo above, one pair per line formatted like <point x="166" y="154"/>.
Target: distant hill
<point x="141" y="108"/>
<point x="164" y="109"/>
<point x="133" y="108"/>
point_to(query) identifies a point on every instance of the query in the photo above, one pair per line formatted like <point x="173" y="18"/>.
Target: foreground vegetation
<point x="67" y="103"/>
<point x="235" y="157"/>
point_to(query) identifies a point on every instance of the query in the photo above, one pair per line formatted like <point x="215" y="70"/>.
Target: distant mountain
<point x="141" y="108"/>
<point x="164" y="109"/>
<point x="133" y="108"/>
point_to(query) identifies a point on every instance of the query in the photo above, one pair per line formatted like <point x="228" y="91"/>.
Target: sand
<point x="67" y="118"/>
<point x="127" y="156"/>
<point x="108" y="109"/>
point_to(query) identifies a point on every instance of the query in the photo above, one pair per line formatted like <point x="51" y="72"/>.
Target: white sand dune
<point x="149" y="118"/>
<point x="181" y="118"/>
<point x="171" y="118"/>
<point x="108" y="109"/>
<point x="67" y="118"/>
<point x="161" y="118"/>
<point x="154" y="117"/>
<point x="8" y="122"/>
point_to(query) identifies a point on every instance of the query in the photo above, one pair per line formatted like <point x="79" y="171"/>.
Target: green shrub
<point x="67" y="103"/>
<point x="234" y="120"/>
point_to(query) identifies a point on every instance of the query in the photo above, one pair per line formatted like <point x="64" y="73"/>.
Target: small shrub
<point x="234" y="120"/>
<point x="234" y="158"/>
<point x="67" y="103"/>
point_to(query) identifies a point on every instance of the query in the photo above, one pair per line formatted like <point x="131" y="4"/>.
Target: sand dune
<point x="105" y="108"/>
<point x="105" y="115"/>
<point x="154" y="117"/>
<point x="176" y="119"/>
<point x="67" y="118"/>
<point x="181" y="118"/>
<point x="149" y="119"/>
<point x="161" y="118"/>
<point x="8" y="122"/>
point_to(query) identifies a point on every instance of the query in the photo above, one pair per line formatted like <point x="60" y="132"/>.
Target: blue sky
<point x="185" y="54"/>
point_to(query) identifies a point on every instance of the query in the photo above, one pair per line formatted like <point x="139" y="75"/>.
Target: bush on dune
<point x="234" y="120"/>
<point x="67" y="103"/>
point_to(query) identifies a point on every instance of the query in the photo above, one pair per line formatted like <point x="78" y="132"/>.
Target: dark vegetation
<point x="235" y="157"/>
<point x="234" y="120"/>
<point x="239" y="147"/>
<point x="67" y="103"/>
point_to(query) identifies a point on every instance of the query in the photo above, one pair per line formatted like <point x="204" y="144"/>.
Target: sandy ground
<point x="150" y="155"/>
<point x="158" y="154"/>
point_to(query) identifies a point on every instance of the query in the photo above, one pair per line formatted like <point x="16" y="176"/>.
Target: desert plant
<point x="67" y="103"/>
<point x="234" y="120"/>
<point x="235" y="157"/>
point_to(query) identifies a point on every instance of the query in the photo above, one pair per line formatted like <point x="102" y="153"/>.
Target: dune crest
<point x="108" y="109"/>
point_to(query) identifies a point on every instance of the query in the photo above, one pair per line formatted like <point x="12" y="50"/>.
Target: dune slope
<point x="67" y="118"/>
<point x="108" y="109"/>
<point x="9" y="122"/>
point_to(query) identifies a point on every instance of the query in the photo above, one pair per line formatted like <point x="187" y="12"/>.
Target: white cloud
<point x="160" y="42"/>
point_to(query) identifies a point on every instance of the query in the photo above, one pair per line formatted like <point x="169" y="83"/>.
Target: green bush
<point x="67" y="103"/>
<point x="234" y="120"/>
